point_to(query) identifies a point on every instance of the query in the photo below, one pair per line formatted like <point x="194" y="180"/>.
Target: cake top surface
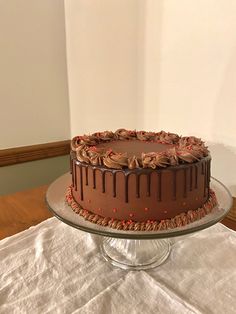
<point x="133" y="147"/>
<point x="137" y="149"/>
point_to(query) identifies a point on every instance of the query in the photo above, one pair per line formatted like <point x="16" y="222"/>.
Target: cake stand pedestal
<point x="135" y="254"/>
<point x="134" y="250"/>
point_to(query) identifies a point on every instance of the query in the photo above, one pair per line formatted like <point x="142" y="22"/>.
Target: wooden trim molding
<point x="232" y="213"/>
<point x="11" y="156"/>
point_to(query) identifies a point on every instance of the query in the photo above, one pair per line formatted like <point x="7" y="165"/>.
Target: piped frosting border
<point x="150" y="225"/>
<point x="187" y="149"/>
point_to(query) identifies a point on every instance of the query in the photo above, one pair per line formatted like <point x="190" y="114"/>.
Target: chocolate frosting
<point x="134" y="162"/>
<point x="115" y="161"/>
<point x="155" y="160"/>
<point x="188" y="149"/>
<point x="154" y="225"/>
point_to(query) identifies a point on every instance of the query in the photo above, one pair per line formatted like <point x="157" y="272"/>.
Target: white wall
<point x="103" y="53"/>
<point x="156" y="64"/>
<point x="190" y="78"/>
<point x="33" y="79"/>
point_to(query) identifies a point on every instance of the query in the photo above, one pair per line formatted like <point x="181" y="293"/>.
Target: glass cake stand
<point x="134" y="250"/>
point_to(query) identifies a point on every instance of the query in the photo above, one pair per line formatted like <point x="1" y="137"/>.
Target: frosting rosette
<point x="155" y="160"/>
<point x="178" y="149"/>
<point x="115" y="160"/>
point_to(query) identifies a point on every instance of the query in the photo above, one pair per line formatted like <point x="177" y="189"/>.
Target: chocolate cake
<point x="136" y="180"/>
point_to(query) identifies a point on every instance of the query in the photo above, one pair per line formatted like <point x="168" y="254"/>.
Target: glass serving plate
<point x="133" y="249"/>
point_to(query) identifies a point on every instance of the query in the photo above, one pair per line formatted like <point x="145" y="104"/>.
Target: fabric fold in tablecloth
<point x="54" y="268"/>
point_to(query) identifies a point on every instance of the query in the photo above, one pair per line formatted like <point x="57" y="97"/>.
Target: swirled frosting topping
<point x="137" y="149"/>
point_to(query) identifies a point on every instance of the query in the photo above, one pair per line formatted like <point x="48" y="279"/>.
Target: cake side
<point x="150" y="225"/>
<point x="140" y="177"/>
<point x="141" y="194"/>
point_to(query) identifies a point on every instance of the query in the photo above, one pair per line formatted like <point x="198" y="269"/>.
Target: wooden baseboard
<point x="17" y="155"/>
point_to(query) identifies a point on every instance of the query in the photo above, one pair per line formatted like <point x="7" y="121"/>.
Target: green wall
<point x="32" y="174"/>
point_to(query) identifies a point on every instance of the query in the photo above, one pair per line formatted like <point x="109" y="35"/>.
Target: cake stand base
<point x="135" y="254"/>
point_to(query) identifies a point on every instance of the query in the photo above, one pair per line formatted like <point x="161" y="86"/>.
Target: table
<point x="54" y="268"/>
<point x="21" y="210"/>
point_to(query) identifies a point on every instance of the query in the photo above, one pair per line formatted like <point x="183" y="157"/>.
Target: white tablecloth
<point x="54" y="268"/>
